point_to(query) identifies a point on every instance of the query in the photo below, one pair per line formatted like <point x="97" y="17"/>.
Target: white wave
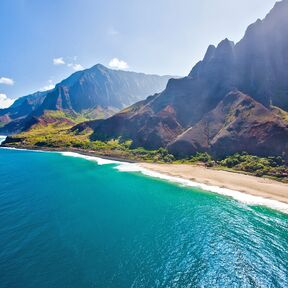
<point x="100" y="161"/>
<point x="133" y="167"/>
<point x="2" y="139"/>
<point x="29" y="150"/>
<point x="239" y="196"/>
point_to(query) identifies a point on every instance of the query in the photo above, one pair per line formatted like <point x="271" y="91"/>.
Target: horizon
<point x="121" y="45"/>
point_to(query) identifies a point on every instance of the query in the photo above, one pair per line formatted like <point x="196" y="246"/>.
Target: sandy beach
<point x="238" y="182"/>
<point x="235" y="181"/>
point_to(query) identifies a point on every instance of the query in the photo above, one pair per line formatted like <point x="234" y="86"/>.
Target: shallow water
<point x="69" y="222"/>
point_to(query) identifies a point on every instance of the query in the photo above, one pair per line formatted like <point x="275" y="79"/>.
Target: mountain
<point x="11" y="118"/>
<point x="97" y="92"/>
<point x="237" y="123"/>
<point x="232" y="91"/>
<point x="24" y="105"/>
<point x="100" y="86"/>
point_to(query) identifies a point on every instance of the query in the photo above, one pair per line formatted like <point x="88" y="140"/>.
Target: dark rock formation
<point x="237" y="123"/>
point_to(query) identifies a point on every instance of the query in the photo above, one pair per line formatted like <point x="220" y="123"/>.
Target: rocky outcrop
<point x="262" y="58"/>
<point x="12" y="119"/>
<point x="237" y="123"/>
<point x="153" y="128"/>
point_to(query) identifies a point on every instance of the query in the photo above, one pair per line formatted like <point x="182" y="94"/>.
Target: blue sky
<point x="44" y="41"/>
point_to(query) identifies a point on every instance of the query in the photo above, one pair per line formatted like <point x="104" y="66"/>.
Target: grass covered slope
<point x="54" y="131"/>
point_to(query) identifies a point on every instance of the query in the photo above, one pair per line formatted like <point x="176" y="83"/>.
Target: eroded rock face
<point x="198" y="105"/>
<point x="237" y="123"/>
<point x="262" y="57"/>
<point x="12" y="118"/>
<point x="100" y="86"/>
<point x="147" y="127"/>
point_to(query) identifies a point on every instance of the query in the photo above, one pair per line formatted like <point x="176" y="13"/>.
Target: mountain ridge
<point x="255" y="67"/>
<point x="98" y="92"/>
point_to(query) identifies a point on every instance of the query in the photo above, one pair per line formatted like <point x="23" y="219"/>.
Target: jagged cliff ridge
<point x="98" y="92"/>
<point x="11" y="118"/>
<point x="100" y="86"/>
<point x="176" y="117"/>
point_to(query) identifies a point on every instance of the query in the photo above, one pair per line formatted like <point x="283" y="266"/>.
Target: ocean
<point x="75" y="222"/>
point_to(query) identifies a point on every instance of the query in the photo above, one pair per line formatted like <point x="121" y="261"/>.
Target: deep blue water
<point x="68" y="222"/>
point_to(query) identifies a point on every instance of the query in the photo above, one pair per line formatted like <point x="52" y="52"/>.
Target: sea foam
<point x="2" y="139"/>
<point x="239" y="196"/>
<point x="100" y="161"/>
<point x="133" y="167"/>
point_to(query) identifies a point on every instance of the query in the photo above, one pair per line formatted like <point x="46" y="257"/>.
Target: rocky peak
<point x="225" y="49"/>
<point x="209" y="53"/>
<point x="279" y="10"/>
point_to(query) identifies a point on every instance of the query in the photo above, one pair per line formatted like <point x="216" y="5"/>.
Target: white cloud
<point x="118" y="64"/>
<point x="49" y="86"/>
<point x="58" y="61"/>
<point x="75" y="66"/>
<point x="6" y="81"/>
<point x="5" y="102"/>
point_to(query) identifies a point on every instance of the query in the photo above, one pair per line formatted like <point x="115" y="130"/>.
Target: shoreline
<point x="244" y="188"/>
<point x="243" y="183"/>
<point x="72" y="150"/>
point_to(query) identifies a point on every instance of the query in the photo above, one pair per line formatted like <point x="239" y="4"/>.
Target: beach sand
<point x="237" y="182"/>
<point x="252" y="185"/>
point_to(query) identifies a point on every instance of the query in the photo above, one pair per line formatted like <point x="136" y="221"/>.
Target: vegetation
<point x="198" y="158"/>
<point x="281" y="113"/>
<point x="273" y="167"/>
<point x="57" y="135"/>
<point x="60" y="117"/>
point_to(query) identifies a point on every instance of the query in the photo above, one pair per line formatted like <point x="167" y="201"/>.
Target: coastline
<point x="89" y="153"/>
<point x="246" y="184"/>
<point x="244" y="188"/>
<point x="247" y="189"/>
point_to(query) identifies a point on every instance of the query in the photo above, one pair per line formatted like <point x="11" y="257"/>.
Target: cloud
<point x="5" y="102"/>
<point x="118" y="64"/>
<point x="47" y="87"/>
<point x="58" y="61"/>
<point x="75" y="66"/>
<point x="6" y="81"/>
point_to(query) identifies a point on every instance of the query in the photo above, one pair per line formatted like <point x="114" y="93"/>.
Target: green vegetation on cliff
<point x="273" y="167"/>
<point x="54" y="132"/>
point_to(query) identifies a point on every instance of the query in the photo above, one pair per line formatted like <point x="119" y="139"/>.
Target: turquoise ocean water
<point x="69" y="222"/>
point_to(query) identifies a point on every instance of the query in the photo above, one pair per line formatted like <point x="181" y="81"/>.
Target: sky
<point x="42" y="42"/>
